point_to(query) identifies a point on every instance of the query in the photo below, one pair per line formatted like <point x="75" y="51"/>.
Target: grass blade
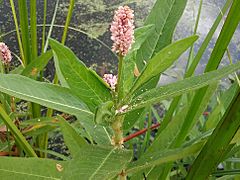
<point x="16" y="133"/>
<point x="218" y="142"/>
<point x="23" y="13"/>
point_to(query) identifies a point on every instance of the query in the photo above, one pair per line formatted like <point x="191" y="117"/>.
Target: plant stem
<point x="191" y="53"/>
<point x="120" y="64"/>
<point x="23" y="15"/>
<point x="44" y="24"/>
<point x="118" y="133"/>
<point x="17" y="31"/>
<point x="69" y="16"/>
<point x="33" y="25"/>
<point x="118" y="123"/>
<point x="140" y="132"/>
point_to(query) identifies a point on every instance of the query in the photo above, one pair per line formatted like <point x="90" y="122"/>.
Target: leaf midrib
<point x="164" y="24"/>
<point x="83" y="80"/>
<point x="52" y="102"/>
<point x="29" y="174"/>
<point x="101" y="165"/>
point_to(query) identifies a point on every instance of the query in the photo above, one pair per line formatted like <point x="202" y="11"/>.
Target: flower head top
<point x="111" y="80"/>
<point x="5" y="53"/>
<point x="122" y="29"/>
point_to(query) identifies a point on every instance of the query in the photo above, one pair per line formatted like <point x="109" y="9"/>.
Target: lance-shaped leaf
<point x="95" y="162"/>
<point x="20" y="139"/>
<point x="37" y="65"/>
<point x="129" y="62"/>
<point x="161" y="157"/>
<point x="163" y="60"/>
<point x="82" y="81"/>
<point x="217" y="145"/>
<point x="72" y="138"/>
<point x="45" y="94"/>
<point x="174" y="89"/>
<point x="31" y="168"/>
<point x="164" y="15"/>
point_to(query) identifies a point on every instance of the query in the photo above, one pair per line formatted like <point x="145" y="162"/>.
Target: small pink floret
<point x="122" y="29"/>
<point x="5" y="53"/>
<point x="111" y="80"/>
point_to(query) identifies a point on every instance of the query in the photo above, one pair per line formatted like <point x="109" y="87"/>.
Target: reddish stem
<point x="131" y="136"/>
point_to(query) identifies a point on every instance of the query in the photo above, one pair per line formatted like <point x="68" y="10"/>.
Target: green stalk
<point x="199" y="102"/>
<point x="44" y="24"/>
<point x="147" y="136"/>
<point x="118" y="123"/>
<point x="23" y="13"/>
<point x="218" y="142"/>
<point x="208" y="38"/>
<point x="33" y="25"/>
<point x="191" y="53"/>
<point x="41" y="140"/>
<point x="16" y="133"/>
<point x="51" y="26"/>
<point x="221" y="45"/>
<point x="225" y="36"/>
<point x="194" y="63"/>
<point x="118" y="132"/>
<point x="36" y="108"/>
<point x="55" y="81"/>
<point x="118" y="88"/>
<point x="231" y="61"/>
<point x="17" y="31"/>
<point x="69" y="16"/>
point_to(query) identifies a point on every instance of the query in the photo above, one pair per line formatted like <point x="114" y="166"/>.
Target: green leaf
<point x="45" y="94"/>
<point x="72" y="139"/>
<point x="225" y="37"/>
<point x="225" y="101"/>
<point x="37" y="65"/>
<point x="16" y="133"/>
<point x="78" y="77"/>
<point x="23" y="14"/>
<point x="133" y="117"/>
<point x="165" y="139"/>
<point x="208" y="38"/>
<point x="95" y="162"/>
<point x="31" y="168"/>
<point x="164" y="15"/>
<point x="195" y="61"/>
<point x="98" y="133"/>
<point x="161" y="157"/>
<point x="216" y="56"/>
<point x="163" y="60"/>
<point x="105" y="113"/>
<point x="39" y="125"/>
<point x="217" y="145"/>
<point x="17" y="70"/>
<point x="181" y="87"/>
<point x="129" y="62"/>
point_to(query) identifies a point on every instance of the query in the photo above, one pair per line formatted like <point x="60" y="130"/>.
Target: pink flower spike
<point x="5" y="53"/>
<point x="111" y="80"/>
<point x="122" y="29"/>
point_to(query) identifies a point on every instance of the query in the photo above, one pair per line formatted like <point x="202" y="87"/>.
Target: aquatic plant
<point x="190" y="143"/>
